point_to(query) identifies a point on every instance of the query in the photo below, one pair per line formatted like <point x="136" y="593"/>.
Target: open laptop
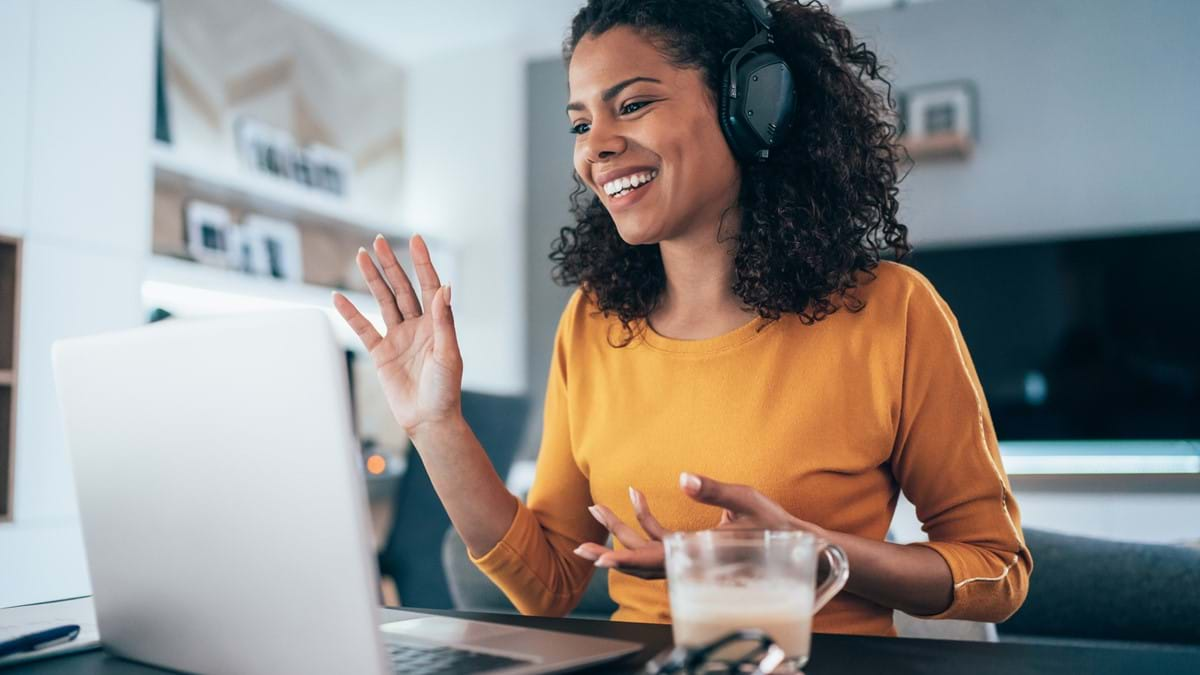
<point x="224" y="510"/>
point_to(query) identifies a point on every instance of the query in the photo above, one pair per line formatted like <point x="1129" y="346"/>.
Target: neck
<point x="698" y="300"/>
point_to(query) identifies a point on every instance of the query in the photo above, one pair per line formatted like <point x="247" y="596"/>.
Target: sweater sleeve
<point x="947" y="462"/>
<point x="533" y="564"/>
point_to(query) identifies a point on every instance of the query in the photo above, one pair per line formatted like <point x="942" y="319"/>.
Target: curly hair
<point x="820" y="210"/>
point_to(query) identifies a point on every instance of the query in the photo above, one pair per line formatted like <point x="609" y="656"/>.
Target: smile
<point x="623" y="186"/>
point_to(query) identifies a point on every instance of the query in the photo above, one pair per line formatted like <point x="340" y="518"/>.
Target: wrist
<point x="436" y="432"/>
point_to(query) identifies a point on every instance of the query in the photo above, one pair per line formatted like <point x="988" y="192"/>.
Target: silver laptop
<point x="224" y="510"/>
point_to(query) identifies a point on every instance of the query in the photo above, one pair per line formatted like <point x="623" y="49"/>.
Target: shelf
<point x="943" y="145"/>
<point x="1041" y="458"/>
<point x="190" y="289"/>
<point x="242" y="187"/>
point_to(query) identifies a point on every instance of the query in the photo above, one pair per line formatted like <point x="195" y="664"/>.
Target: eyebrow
<point x="611" y="93"/>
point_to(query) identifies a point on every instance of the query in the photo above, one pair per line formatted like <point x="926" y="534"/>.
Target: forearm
<point x="912" y="579"/>
<point x="479" y="505"/>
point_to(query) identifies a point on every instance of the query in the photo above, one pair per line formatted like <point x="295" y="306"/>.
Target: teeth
<point x="619" y="185"/>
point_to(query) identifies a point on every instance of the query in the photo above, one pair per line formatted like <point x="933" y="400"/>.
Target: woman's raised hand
<point x="418" y="360"/>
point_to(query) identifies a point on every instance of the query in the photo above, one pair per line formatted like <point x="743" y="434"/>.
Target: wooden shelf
<point x="944" y="145"/>
<point x="190" y="289"/>
<point x="277" y="197"/>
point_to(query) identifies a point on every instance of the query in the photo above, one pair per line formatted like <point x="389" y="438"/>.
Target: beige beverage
<point x="702" y="614"/>
<point x="725" y="581"/>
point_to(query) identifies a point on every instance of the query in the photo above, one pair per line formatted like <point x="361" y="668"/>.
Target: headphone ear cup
<point x="724" y="108"/>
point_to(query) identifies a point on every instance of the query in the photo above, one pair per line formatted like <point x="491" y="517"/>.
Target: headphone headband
<point x="758" y="10"/>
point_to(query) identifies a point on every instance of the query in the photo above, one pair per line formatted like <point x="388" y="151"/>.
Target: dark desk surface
<point x="831" y="654"/>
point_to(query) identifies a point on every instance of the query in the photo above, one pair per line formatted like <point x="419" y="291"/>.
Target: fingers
<point x="742" y="500"/>
<point x="445" y="339"/>
<point x="357" y="322"/>
<point x="646" y="519"/>
<point x="590" y="551"/>
<point x="727" y="517"/>
<point x="379" y="289"/>
<point x="624" y="533"/>
<point x="427" y="276"/>
<point x="646" y="562"/>
<point x="405" y="297"/>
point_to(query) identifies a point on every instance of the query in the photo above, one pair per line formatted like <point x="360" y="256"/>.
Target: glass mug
<point x="722" y="581"/>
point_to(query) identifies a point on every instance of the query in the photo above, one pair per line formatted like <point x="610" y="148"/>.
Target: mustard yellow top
<point x="830" y="420"/>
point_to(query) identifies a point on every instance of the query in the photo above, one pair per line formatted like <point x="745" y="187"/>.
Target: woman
<point x="736" y="353"/>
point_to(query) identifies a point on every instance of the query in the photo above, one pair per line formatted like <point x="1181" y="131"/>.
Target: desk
<point x="831" y="654"/>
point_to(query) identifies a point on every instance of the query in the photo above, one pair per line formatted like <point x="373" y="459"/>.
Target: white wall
<point x="465" y="184"/>
<point x="1086" y="114"/>
<point x="84" y="216"/>
<point x="16" y="22"/>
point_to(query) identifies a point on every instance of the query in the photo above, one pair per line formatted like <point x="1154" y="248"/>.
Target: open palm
<point x="417" y="359"/>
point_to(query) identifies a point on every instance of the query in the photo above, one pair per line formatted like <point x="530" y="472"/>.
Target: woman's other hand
<point x="743" y="507"/>
<point x="418" y="360"/>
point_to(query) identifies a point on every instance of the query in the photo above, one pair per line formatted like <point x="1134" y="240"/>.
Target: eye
<point x="634" y="106"/>
<point x="580" y="128"/>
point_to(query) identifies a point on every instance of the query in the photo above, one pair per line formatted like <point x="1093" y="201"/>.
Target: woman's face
<point x="638" y="118"/>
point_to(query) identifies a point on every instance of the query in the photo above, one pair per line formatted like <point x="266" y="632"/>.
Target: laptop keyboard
<point x="431" y="660"/>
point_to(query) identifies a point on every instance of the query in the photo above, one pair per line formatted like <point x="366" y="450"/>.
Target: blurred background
<point x="188" y="158"/>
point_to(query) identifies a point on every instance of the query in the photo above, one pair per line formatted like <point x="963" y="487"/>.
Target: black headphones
<point x="758" y="94"/>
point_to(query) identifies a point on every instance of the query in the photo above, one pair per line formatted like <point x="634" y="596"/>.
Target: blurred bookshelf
<point x="254" y="191"/>
<point x="187" y="288"/>
<point x="10" y="292"/>
<point x="331" y="230"/>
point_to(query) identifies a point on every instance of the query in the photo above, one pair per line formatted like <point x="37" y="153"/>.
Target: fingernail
<point x="689" y="482"/>
<point x="595" y="511"/>
<point x="378" y="237"/>
<point x="362" y="249"/>
<point x="447" y="295"/>
<point x="635" y="498"/>
<point x="602" y="562"/>
<point x="584" y="553"/>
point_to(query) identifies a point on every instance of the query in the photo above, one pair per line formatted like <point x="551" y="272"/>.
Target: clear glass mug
<point x="721" y="581"/>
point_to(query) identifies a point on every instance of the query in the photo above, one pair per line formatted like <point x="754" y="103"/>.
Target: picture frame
<point x="275" y="152"/>
<point x="940" y="119"/>
<point x="271" y="248"/>
<point x="210" y="233"/>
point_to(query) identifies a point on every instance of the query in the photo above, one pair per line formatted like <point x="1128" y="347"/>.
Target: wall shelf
<point x="939" y="146"/>
<point x="277" y="197"/>
<point x="190" y="289"/>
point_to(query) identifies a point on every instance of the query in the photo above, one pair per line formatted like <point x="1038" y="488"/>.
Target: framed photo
<point x="328" y="169"/>
<point x="265" y="148"/>
<point x="273" y="151"/>
<point x="939" y="119"/>
<point x="271" y="248"/>
<point x="211" y="235"/>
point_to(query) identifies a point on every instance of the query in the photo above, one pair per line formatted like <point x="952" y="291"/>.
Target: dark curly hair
<point x="820" y="210"/>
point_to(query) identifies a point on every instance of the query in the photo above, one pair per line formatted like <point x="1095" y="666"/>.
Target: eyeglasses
<point x="759" y="656"/>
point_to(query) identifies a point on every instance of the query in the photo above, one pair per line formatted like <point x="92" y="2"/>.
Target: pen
<point x="39" y="640"/>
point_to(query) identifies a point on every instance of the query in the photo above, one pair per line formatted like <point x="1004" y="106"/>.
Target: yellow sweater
<point x="831" y="421"/>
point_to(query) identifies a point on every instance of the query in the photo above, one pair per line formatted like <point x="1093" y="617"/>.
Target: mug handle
<point x="839" y="573"/>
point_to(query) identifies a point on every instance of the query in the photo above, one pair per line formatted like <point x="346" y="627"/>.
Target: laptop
<point x="224" y="513"/>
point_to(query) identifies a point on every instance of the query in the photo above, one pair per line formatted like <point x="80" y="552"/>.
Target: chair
<point x="472" y="590"/>
<point x="1093" y="589"/>
<point x="412" y="554"/>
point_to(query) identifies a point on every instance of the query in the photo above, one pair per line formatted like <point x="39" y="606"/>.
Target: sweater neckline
<point x="738" y="336"/>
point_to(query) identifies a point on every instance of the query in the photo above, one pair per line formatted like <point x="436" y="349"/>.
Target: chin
<point x="636" y="234"/>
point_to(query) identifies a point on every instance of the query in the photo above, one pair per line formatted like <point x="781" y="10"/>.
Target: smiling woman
<point x="704" y="375"/>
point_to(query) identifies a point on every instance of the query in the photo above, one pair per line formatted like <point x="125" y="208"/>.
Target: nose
<point x="603" y="142"/>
